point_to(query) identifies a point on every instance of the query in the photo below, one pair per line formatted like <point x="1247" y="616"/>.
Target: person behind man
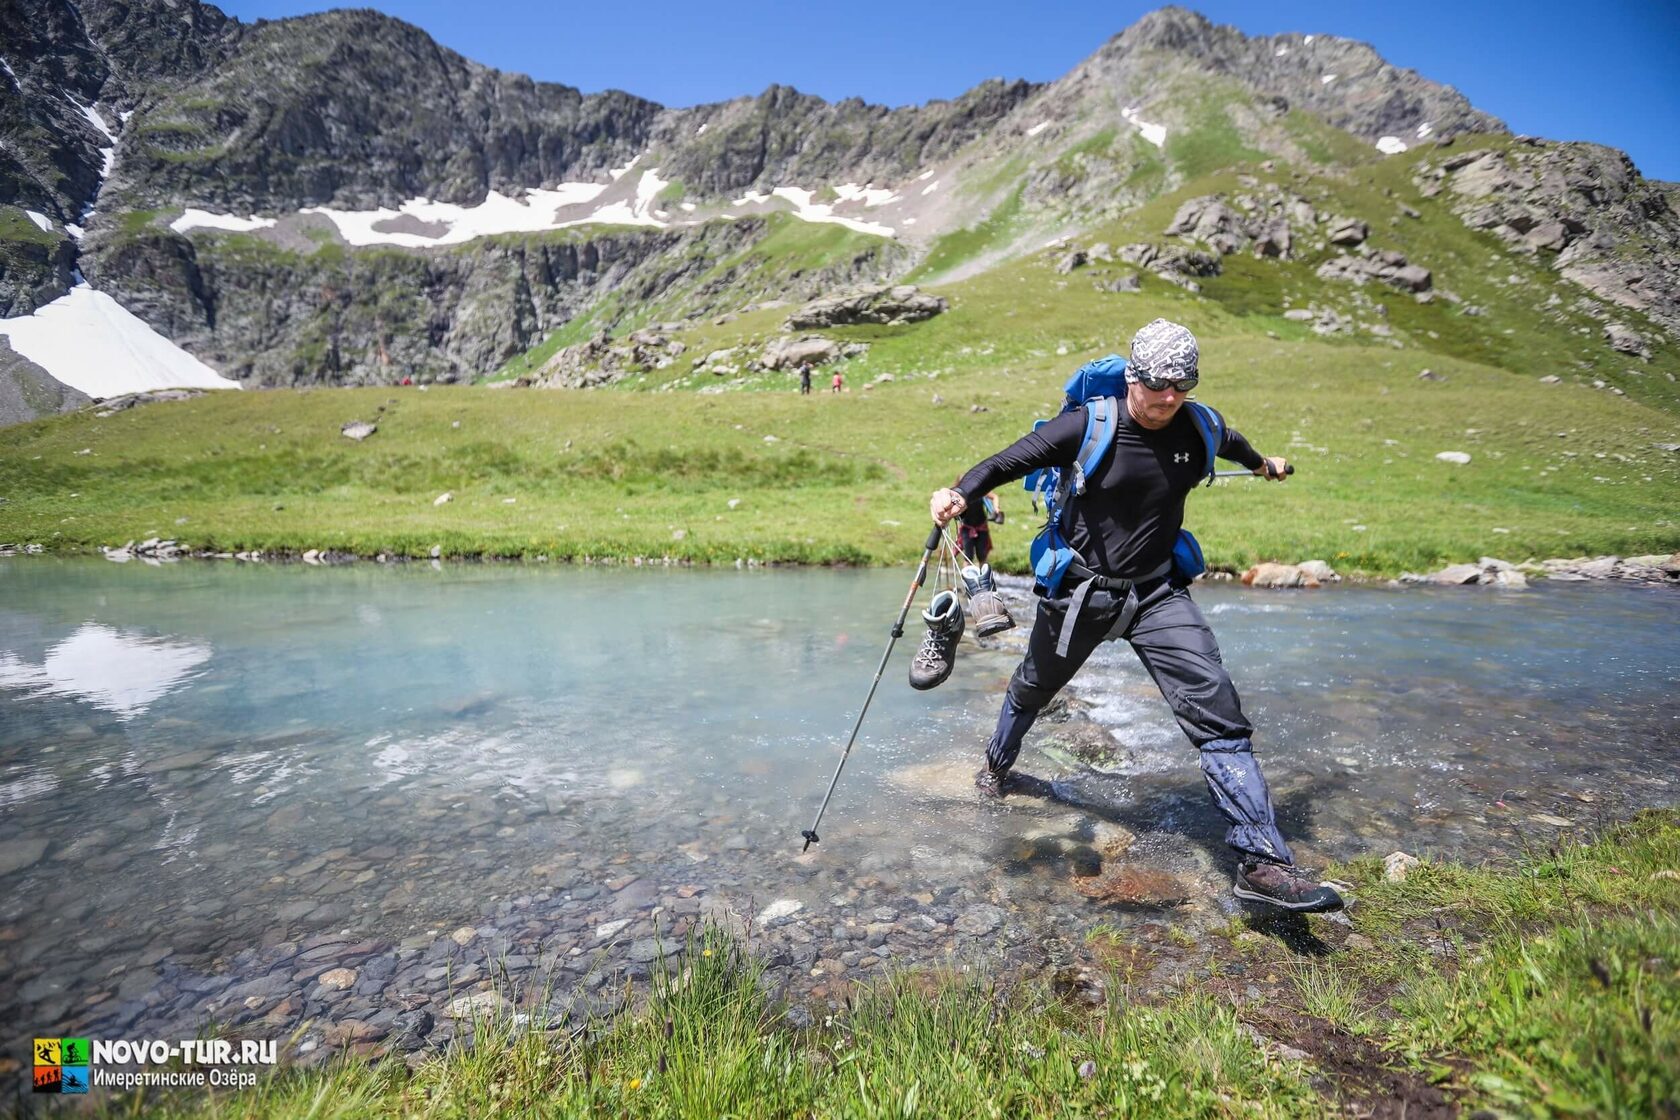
<point x="1123" y="529"/>
<point x="974" y="532"/>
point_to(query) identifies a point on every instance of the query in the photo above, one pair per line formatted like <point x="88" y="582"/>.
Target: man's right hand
<point x="946" y="504"/>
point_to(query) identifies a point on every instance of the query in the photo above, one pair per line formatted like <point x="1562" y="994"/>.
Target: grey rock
<point x="892" y="305"/>
<point x="27" y="391"/>
<point x="979" y="920"/>
<point x="16" y="855"/>
<point x="1385" y="267"/>
<point x="1348" y="231"/>
<point x="1625" y="340"/>
<point x="794" y="353"/>
<point x="1072" y="259"/>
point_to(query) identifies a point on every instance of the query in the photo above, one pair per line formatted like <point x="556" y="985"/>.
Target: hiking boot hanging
<point x="938" y="655"/>
<point x="1287" y="887"/>
<point x="984" y="602"/>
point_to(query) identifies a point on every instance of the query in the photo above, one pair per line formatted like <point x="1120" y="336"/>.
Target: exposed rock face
<point x="1262" y="222"/>
<point x="1626" y="340"/>
<point x="273" y="317"/>
<point x="1348" y="231"/>
<point x="1388" y="267"/>
<point x="1209" y="220"/>
<point x="1586" y="207"/>
<point x="784" y="136"/>
<point x="1368" y="97"/>
<point x="28" y="391"/>
<point x="794" y="353"/>
<point x="895" y="305"/>
<point x="64" y="58"/>
<point x="600" y="361"/>
<point x="1172" y="263"/>
<point x="34" y="266"/>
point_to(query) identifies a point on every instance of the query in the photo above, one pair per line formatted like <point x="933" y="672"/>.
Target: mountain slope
<point x="307" y="201"/>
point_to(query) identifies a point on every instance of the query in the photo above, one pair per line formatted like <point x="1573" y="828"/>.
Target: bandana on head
<point x="1164" y="349"/>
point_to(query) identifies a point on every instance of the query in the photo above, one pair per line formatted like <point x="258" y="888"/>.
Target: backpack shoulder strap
<point x="1211" y="426"/>
<point x="1102" y="417"/>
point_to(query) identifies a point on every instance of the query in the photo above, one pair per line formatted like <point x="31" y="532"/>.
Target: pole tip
<point x="811" y="837"/>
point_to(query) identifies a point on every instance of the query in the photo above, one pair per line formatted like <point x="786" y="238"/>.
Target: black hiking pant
<point x="1172" y="639"/>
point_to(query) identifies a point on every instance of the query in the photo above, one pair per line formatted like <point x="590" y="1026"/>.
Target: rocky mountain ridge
<point x="122" y="115"/>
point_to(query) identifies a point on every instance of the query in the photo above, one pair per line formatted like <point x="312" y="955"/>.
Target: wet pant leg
<point x="1177" y="647"/>
<point x="1042" y="673"/>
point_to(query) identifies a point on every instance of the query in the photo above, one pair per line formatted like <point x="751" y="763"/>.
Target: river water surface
<point x="220" y="782"/>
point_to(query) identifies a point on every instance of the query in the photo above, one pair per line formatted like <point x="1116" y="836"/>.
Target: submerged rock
<point x="780" y="910"/>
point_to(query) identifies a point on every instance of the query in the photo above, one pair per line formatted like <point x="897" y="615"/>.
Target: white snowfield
<point x="1424" y="130"/>
<point x="1038" y="128"/>
<point x="90" y="342"/>
<point x="41" y="220"/>
<point x="1156" y="134"/>
<point x="204" y="219"/>
<point x="570" y="204"/>
<point x="1391" y="145"/>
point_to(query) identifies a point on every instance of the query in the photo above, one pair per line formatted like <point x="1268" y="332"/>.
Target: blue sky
<point x="1607" y="72"/>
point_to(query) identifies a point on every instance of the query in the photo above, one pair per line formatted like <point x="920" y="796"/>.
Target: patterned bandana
<point x="1164" y="349"/>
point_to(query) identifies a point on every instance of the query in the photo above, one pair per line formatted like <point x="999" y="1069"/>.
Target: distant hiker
<point x="974" y="533"/>
<point x="838" y="383"/>
<point x="805" y="380"/>
<point x="1122" y="525"/>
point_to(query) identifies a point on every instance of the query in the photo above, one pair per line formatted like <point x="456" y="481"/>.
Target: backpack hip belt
<point x="1092" y="581"/>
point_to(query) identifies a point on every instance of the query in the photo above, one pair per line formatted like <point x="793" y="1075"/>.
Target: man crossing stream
<point x="1120" y="526"/>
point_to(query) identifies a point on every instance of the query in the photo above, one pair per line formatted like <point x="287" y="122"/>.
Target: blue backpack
<point x="1100" y="385"/>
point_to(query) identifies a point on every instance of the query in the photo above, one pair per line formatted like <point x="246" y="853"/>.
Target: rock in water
<point x="1135" y="884"/>
<point x="780" y="910"/>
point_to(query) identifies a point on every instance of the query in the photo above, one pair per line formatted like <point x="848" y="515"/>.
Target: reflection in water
<point x="120" y="671"/>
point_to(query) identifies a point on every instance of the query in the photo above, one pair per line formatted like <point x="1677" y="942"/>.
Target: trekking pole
<point x="810" y="834"/>
<point x="1290" y="469"/>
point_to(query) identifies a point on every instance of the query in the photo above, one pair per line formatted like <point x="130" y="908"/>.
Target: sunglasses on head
<point x="1156" y="384"/>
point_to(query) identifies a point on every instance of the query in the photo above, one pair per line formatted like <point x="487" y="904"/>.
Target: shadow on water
<point x="1184" y="810"/>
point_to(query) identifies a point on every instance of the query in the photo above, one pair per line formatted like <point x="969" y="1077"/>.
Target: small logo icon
<point x="61" y="1065"/>
<point x="1181" y="457"/>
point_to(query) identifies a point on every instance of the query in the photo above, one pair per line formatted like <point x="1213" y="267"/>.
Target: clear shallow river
<point x="219" y="781"/>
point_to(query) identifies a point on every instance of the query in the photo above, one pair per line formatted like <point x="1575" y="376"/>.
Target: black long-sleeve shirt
<point x="1129" y="517"/>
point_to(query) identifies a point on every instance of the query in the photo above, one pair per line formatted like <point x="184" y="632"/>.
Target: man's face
<point x="1151" y="408"/>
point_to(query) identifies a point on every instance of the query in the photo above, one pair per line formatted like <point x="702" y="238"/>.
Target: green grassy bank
<point x="1549" y="987"/>
<point x="1556" y="470"/>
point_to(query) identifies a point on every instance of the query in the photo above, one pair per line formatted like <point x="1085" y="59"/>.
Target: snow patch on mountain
<point x="41" y="220"/>
<point x="90" y="342"/>
<point x="204" y="219"/>
<point x="1391" y="145"/>
<point x="1156" y="134"/>
<point x="866" y="194"/>
<point x="431" y="223"/>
